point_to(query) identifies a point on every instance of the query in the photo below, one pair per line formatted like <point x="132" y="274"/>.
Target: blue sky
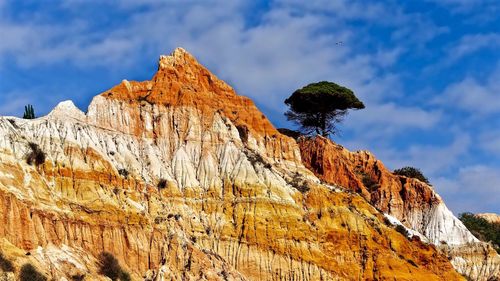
<point x="428" y="71"/>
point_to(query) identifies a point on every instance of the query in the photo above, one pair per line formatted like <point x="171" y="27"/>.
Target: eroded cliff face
<point x="182" y="179"/>
<point x="414" y="203"/>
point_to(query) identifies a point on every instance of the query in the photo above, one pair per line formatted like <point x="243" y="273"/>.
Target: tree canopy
<point x="412" y="172"/>
<point x="318" y="107"/>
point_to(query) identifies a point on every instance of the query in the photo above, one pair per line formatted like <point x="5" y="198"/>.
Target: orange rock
<point x="237" y="203"/>
<point x="414" y="203"/>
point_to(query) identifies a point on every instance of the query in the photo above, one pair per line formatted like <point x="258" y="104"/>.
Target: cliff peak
<point x="179" y="82"/>
<point x="178" y="56"/>
<point x="67" y="109"/>
<point x="181" y="178"/>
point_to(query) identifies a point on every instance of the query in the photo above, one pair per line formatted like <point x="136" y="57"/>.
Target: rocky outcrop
<point x="491" y="217"/>
<point x="182" y="179"/>
<point x="477" y="261"/>
<point x="414" y="203"/>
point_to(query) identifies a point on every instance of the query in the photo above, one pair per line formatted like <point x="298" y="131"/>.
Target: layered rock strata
<point x="182" y="179"/>
<point x="414" y="203"/>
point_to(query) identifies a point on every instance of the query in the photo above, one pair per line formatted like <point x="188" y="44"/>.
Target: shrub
<point x="299" y="183"/>
<point x="401" y="229"/>
<point x="290" y="133"/>
<point x="243" y="132"/>
<point x="162" y="183"/>
<point x="29" y="112"/>
<point x="370" y="183"/>
<point x="125" y="276"/>
<point x="78" y="277"/>
<point x="256" y="158"/>
<point x="482" y="229"/>
<point x="13" y="123"/>
<point x="36" y="155"/>
<point x="110" y="267"/>
<point x="5" y="264"/>
<point x="29" y="273"/>
<point x="124" y="173"/>
<point x="411" y="172"/>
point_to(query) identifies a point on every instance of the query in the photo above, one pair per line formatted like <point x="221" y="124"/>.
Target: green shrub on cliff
<point x="411" y="172"/>
<point x="35" y="155"/>
<point x="482" y="229"/>
<point x="30" y="273"/>
<point x="5" y="264"/>
<point x="110" y="267"/>
<point x="29" y="112"/>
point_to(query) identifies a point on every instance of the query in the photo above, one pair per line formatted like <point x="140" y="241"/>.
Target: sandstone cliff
<point x="414" y="203"/>
<point x="182" y="179"/>
<point x="493" y="218"/>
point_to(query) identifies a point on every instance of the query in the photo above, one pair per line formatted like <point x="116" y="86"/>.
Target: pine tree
<point x="318" y="107"/>
<point x="29" y="112"/>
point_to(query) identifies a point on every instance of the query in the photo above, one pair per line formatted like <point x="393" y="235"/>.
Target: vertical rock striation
<point x="414" y="203"/>
<point x="182" y="179"/>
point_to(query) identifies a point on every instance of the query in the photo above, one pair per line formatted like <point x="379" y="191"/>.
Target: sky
<point x="428" y="71"/>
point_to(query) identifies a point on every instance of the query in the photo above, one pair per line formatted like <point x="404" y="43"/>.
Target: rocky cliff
<point x="491" y="217"/>
<point x="182" y="179"/>
<point x="412" y="202"/>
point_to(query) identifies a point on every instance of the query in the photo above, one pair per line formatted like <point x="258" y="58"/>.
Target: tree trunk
<point x="324" y="132"/>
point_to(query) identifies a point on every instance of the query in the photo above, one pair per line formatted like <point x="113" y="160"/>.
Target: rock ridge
<point x="414" y="203"/>
<point x="182" y="179"/>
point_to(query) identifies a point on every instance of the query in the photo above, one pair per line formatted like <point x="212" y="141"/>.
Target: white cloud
<point x="433" y="160"/>
<point x="12" y="103"/>
<point x="285" y="47"/>
<point x="267" y="61"/>
<point x="475" y="188"/>
<point x="473" y="96"/>
<point x="390" y="116"/>
<point x="490" y="141"/>
<point x="472" y="43"/>
<point x="465" y="6"/>
<point x="345" y="9"/>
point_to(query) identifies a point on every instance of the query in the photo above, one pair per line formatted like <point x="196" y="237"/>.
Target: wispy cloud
<point x="432" y="159"/>
<point x="474" y="189"/>
<point x="267" y="51"/>
<point x="472" y="43"/>
<point x="489" y="141"/>
<point x="467" y="6"/>
<point x="13" y="103"/>
<point x="384" y="120"/>
<point x="473" y="96"/>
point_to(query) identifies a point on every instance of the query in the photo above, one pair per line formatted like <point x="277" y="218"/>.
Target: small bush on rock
<point x="125" y="276"/>
<point x="5" y="264"/>
<point x="243" y="132"/>
<point x="411" y="172"/>
<point x="29" y="112"/>
<point x="299" y="183"/>
<point x="110" y="267"/>
<point x="369" y="182"/>
<point x="290" y="133"/>
<point x="78" y="277"/>
<point x="401" y="229"/>
<point x="124" y="173"/>
<point x="162" y="183"/>
<point x="36" y="155"/>
<point x="29" y="273"/>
